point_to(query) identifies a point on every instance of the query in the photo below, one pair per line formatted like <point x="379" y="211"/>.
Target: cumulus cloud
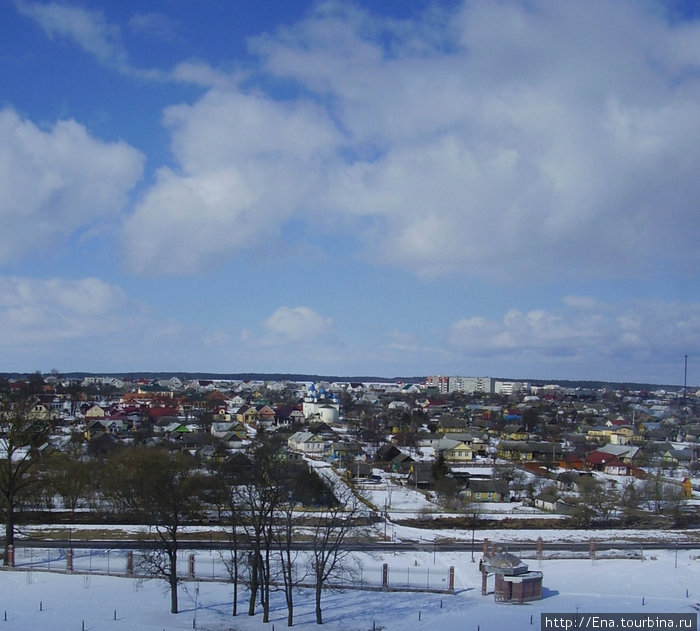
<point x="552" y="138"/>
<point x="296" y="325"/>
<point x="38" y="312"/>
<point x="89" y="324"/>
<point x="246" y="164"/>
<point x="583" y="332"/>
<point x="57" y="180"/>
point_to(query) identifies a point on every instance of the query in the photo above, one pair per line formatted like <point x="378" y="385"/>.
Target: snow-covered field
<point x="662" y="583"/>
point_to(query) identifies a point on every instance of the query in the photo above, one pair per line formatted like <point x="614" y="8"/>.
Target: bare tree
<point x="163" y="489"/>
<point x="329" y="557"/>
<point x="70" y="476"/>
<point x="662" y="495"/>
<point x="288" y="556"/>
<point x="22" y="442"/>
<point x="258" y="498"/>
<point x="630" y="500"/>
<point x="229" y="476"/>
<point x="596" y="501"/>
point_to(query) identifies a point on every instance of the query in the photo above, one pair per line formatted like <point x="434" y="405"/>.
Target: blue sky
<point x="503" y="188"/>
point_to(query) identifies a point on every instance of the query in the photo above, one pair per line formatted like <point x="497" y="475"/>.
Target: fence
<point x="212" y="566"/>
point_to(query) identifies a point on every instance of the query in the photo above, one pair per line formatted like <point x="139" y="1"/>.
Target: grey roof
<point x="628" y="451"/>
<point x="505" y="563"/>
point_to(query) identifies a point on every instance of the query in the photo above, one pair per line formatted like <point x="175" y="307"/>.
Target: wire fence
<point x="215" y="566"/>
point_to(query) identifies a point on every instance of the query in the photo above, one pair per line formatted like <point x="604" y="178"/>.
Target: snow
<point x="34" y="600"/>
<point x="664" y="582"/>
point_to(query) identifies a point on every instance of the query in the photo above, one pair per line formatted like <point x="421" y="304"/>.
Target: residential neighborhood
<point x="461" y="441"/>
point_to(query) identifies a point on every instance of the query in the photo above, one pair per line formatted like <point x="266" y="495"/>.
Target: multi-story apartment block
<point x="471" y="385"/>
<point x="438" y="381"/>
<point x="509" y="387"/>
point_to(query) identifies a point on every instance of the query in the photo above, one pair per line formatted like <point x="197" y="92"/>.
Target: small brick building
<point x="514" y="583"/>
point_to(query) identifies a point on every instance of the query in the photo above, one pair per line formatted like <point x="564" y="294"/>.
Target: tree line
<point x="265" y="503"/>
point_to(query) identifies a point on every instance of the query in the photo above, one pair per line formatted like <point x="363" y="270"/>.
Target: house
<point x="386" y="453"/>
<point x="322" y="429"/>
<point x="529" y="450"/>
<point x="220" y="415"/>
<point x="220" y="428"/>
<point x="154" y="390"/>
<point x="570" y="480"/>
<point x="307" y="443"/>
<point x="487" y="490"/>
<point x="248" y="415"/>
<point x="344" y="453"/>
<point x="41" y="412"/>
<point x="677" y="457"/>
<point x="360" y="471"/>
<point x="514" y="431"/>
<point x="607" y="463"/>
<point x="617" y="434"/>
<point x="94" y="411"/>
<point x="213" y="453"/>
<point x="401" y="463"/>
<point x="547" y="499"/>
<point x="175" y="429"/>
<point x="456" y="451"/>
<point x="627" y="453"/>
<point x="426" y="439"/>
<point x="229" y="431"/>
<point x="236" y="402"/>
<point x="266" y="415"/>
<point x="572" y="461"/>
<point x="159" y="412"/>
<point x="288" y="415"/>
<point x="194" y="441"/>
<point x="400" y="406"/>
<point x="420" y="474"/>
<point x="450" y="424"/>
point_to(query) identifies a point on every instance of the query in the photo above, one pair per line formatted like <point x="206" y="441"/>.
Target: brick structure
<point x="514" y="583"/>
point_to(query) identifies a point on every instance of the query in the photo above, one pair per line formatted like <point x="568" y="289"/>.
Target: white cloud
<point x="88" y="29"/>
<point x="246" y="163"/>
<point x="554" y="139"/>
<point x="296" y="325"/>
<point x="156" y="25"/>
<point x="621" y="339"/>
<point x="89" y="324"/>
<point x="57" y="180"/>
<point x="201" y="74"/>
<point x="35" y="313"/>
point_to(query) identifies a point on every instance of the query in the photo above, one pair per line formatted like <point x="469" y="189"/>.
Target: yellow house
<point x="94" y="411"/>
<point x="247" y="415"/>
<point x="460" y="452"/>
<point x="40" y="412"/>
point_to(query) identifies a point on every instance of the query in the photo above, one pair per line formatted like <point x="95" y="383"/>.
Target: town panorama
<point x="271" y="464"/>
